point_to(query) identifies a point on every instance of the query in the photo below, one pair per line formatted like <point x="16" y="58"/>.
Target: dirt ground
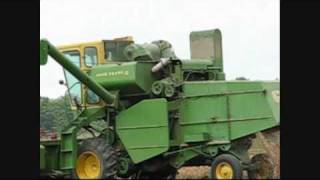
<point x="201" y="172"/>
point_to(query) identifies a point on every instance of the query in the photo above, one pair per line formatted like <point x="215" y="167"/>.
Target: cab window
<point x="91" y="59"/>
<point x="91" y="56"/>
<point x="74" y="85"/>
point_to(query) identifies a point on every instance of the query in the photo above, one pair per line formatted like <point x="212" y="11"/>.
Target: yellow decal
<point x="116" y="73"/>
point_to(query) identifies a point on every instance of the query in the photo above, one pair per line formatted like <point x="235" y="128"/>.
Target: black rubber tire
<point x="231" y="160"/>
<point x="105" y="152"/>
<point x="267" y="172"/>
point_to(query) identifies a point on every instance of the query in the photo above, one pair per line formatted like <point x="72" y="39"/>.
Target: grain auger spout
<point x="47" y="49"/>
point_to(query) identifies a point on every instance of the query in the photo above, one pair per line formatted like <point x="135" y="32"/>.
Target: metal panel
<point x="42" y="157"/>
<point x="200" y="110"/>
<point x="207" y="45"/>
<point x="250" y="113"/>
<point x="132" y="77"/>
<point x="227" y="110"/>
<point x="143" y="129"/>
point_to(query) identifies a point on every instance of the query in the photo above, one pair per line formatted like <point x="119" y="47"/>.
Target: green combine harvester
<point x="159" y="112"/>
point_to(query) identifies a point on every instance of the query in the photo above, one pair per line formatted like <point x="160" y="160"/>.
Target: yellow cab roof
<point x="127" y="38"/>
<point x="68" y="46"/>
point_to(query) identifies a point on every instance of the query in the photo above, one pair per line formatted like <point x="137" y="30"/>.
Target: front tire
<point x="96" y="160"/>
<point x="226" y="166"/>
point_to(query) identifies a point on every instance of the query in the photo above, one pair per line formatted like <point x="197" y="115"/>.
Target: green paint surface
<point x="143" y="129"/>
<point x="227" y="110"/>
<point x="42" y="157"/>
<point x="131" y="77"/>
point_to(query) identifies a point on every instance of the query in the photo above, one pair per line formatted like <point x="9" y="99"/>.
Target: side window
<point x="91" y="59"/>
<point x="74" y="85"/>
<point x="91" y="56"/>
<point x="92" y="98"/>
<point x="114" y="50"/>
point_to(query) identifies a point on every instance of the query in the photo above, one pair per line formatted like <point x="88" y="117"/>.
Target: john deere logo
<point x="276" y="96"/>
<point x="116" y="73"/>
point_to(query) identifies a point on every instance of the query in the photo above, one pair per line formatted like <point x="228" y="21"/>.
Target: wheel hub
<point x="224" y="171"/>
<point x="88" y="166"/>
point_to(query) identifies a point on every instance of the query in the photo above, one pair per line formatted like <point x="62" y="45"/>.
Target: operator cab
<point x="85" y="56"/>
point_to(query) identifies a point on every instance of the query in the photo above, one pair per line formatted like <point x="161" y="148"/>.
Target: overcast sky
<point x="250" y="30"/>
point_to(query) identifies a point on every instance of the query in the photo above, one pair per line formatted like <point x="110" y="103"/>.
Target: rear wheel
<point x="265" y="170"/>
<point x="96" y="160"/>
<point x="226" y="166"/>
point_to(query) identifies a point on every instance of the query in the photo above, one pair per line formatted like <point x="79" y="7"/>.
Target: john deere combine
<point x="159" y="112"/>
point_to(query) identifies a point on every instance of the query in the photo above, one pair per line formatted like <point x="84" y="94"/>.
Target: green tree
<point x="54" y="113"/>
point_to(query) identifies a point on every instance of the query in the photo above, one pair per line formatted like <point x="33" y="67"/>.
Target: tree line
<point x="54" y="113"/>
